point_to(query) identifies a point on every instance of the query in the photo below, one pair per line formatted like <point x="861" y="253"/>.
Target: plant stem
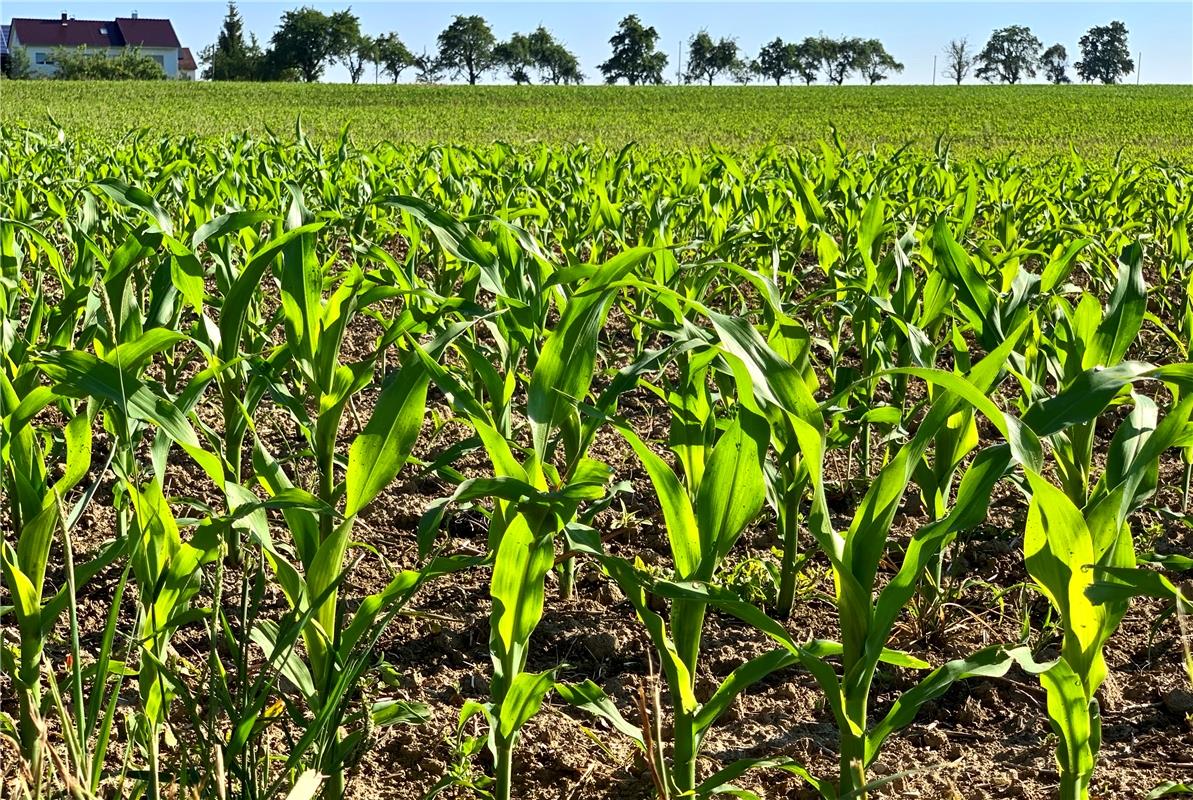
<point x="30" y="703"/>
<point x="684" y="755"/>
<point x="335" y="786"/>
<point x="1188" y="481"/>
<point x="567" y="578"/>
<point x="853" y="770"/>
<point x="1072" y="787"/>
<point x="504" y="768"/>
<point x="153" y="789"/>
<point x="787" y="573"/>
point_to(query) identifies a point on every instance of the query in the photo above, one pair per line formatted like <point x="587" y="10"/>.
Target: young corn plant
<point x="168" y="572"/>
<point x="1086" y="347"/>
<point x="35" y="506"/>
<point x="534" y="499"/>
<point x="1067" y="549"/>
<point x="317" y="388"/>
<point x="729" y="495"/>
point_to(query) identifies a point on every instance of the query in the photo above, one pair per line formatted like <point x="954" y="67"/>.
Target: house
<point x="4" y="57"/>
<point x="186" y="65"/>
<point x="41" y="37"/>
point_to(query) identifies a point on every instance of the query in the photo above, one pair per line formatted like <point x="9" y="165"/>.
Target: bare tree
<point x="958" y="60"/>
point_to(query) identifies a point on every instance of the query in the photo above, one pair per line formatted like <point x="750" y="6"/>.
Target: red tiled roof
<point x="186" y="60"/>
<point x="141" y="32"/>
<point x="67" y="33"/>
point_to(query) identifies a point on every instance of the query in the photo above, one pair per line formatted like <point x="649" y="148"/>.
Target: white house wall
<point x="166" y="56"/>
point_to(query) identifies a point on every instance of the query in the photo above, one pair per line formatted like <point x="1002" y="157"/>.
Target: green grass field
<point x="1149" y="121"/>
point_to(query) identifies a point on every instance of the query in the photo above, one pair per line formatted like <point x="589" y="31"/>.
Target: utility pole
<point x="1138" y="67"/>
<point x="679" y="63"/>
<point x="933" y="70"/>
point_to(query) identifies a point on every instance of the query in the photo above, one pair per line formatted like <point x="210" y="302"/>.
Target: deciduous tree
<point x="775" y="61"/>
<point x="307" y="40"/>
<point x="1105" y="55"/>
<point x="466" y="48"/>
<point x="958" y="60"/>
<point x="357" y="53"/>
<point x="840" y="57"/>
<point x="1055" y="63"/>
<point x="875" y="63"/>
<point x="554" y="62"/>
<point x="429" y="68"/>
<point x="634" y="57"/>
<point x="1011" y="54"/>
<point x="708" y="59"/>
<point x="393" y="55"/>
<point x="806" y="58"/>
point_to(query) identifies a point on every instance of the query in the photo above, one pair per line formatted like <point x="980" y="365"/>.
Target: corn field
<point x="652" y="434"/>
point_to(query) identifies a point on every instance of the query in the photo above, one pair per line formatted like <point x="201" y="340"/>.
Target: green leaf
<point x="228" y="223"/>
<point x="1069" y="712"/>
<point x="567" y="362"/>
<point x="380" y="451"/>
<point x="453" y="235"/>
<point x="733" y="489"/>
<point x="682" y="531"/>
<point x="234" y="311"/>
<point x="1124" y="313"/>
<point x="132" y="197"/>
<point x="588" y="696"/>
<point x="1084" y="398"/>
<point x="740" y="679"/>
<point x="1058" y="551"/>
<point x="990" y="662"/>
<point x="523" y="699"/>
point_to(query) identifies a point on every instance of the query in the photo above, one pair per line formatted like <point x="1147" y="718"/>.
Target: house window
<point x="161" y="61"/>
<point x="42" y="58"/>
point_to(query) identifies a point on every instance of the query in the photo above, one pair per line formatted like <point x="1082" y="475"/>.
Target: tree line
<point x="307" y="41"/>
<point x="1015" y="53"/>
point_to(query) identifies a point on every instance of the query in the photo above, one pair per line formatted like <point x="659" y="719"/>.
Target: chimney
<point x="63" y="17"/>
<point x="134" y="14"/>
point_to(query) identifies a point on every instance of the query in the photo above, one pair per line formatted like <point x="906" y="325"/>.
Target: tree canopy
<point x="392" y="55"/>
<point x="840" y="57"/>
<point x="515" y="55"/>
<point x="875" y="63"/>
<point x="357" y="53"/>
<point x="555" y="63"/>
<point x="708" y="59"/>
<point x="1011" y="54"/>
<point x="1105" y="55"/>
<point x="466" y="48"/>
<point x="307" y="40"/>
<point x="775" y="61"/>
<point x="1055" y="63"/>
<point x="634" y="57"/>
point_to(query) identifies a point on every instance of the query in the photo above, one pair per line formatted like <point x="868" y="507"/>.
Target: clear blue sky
<point x="912" y="32"/>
